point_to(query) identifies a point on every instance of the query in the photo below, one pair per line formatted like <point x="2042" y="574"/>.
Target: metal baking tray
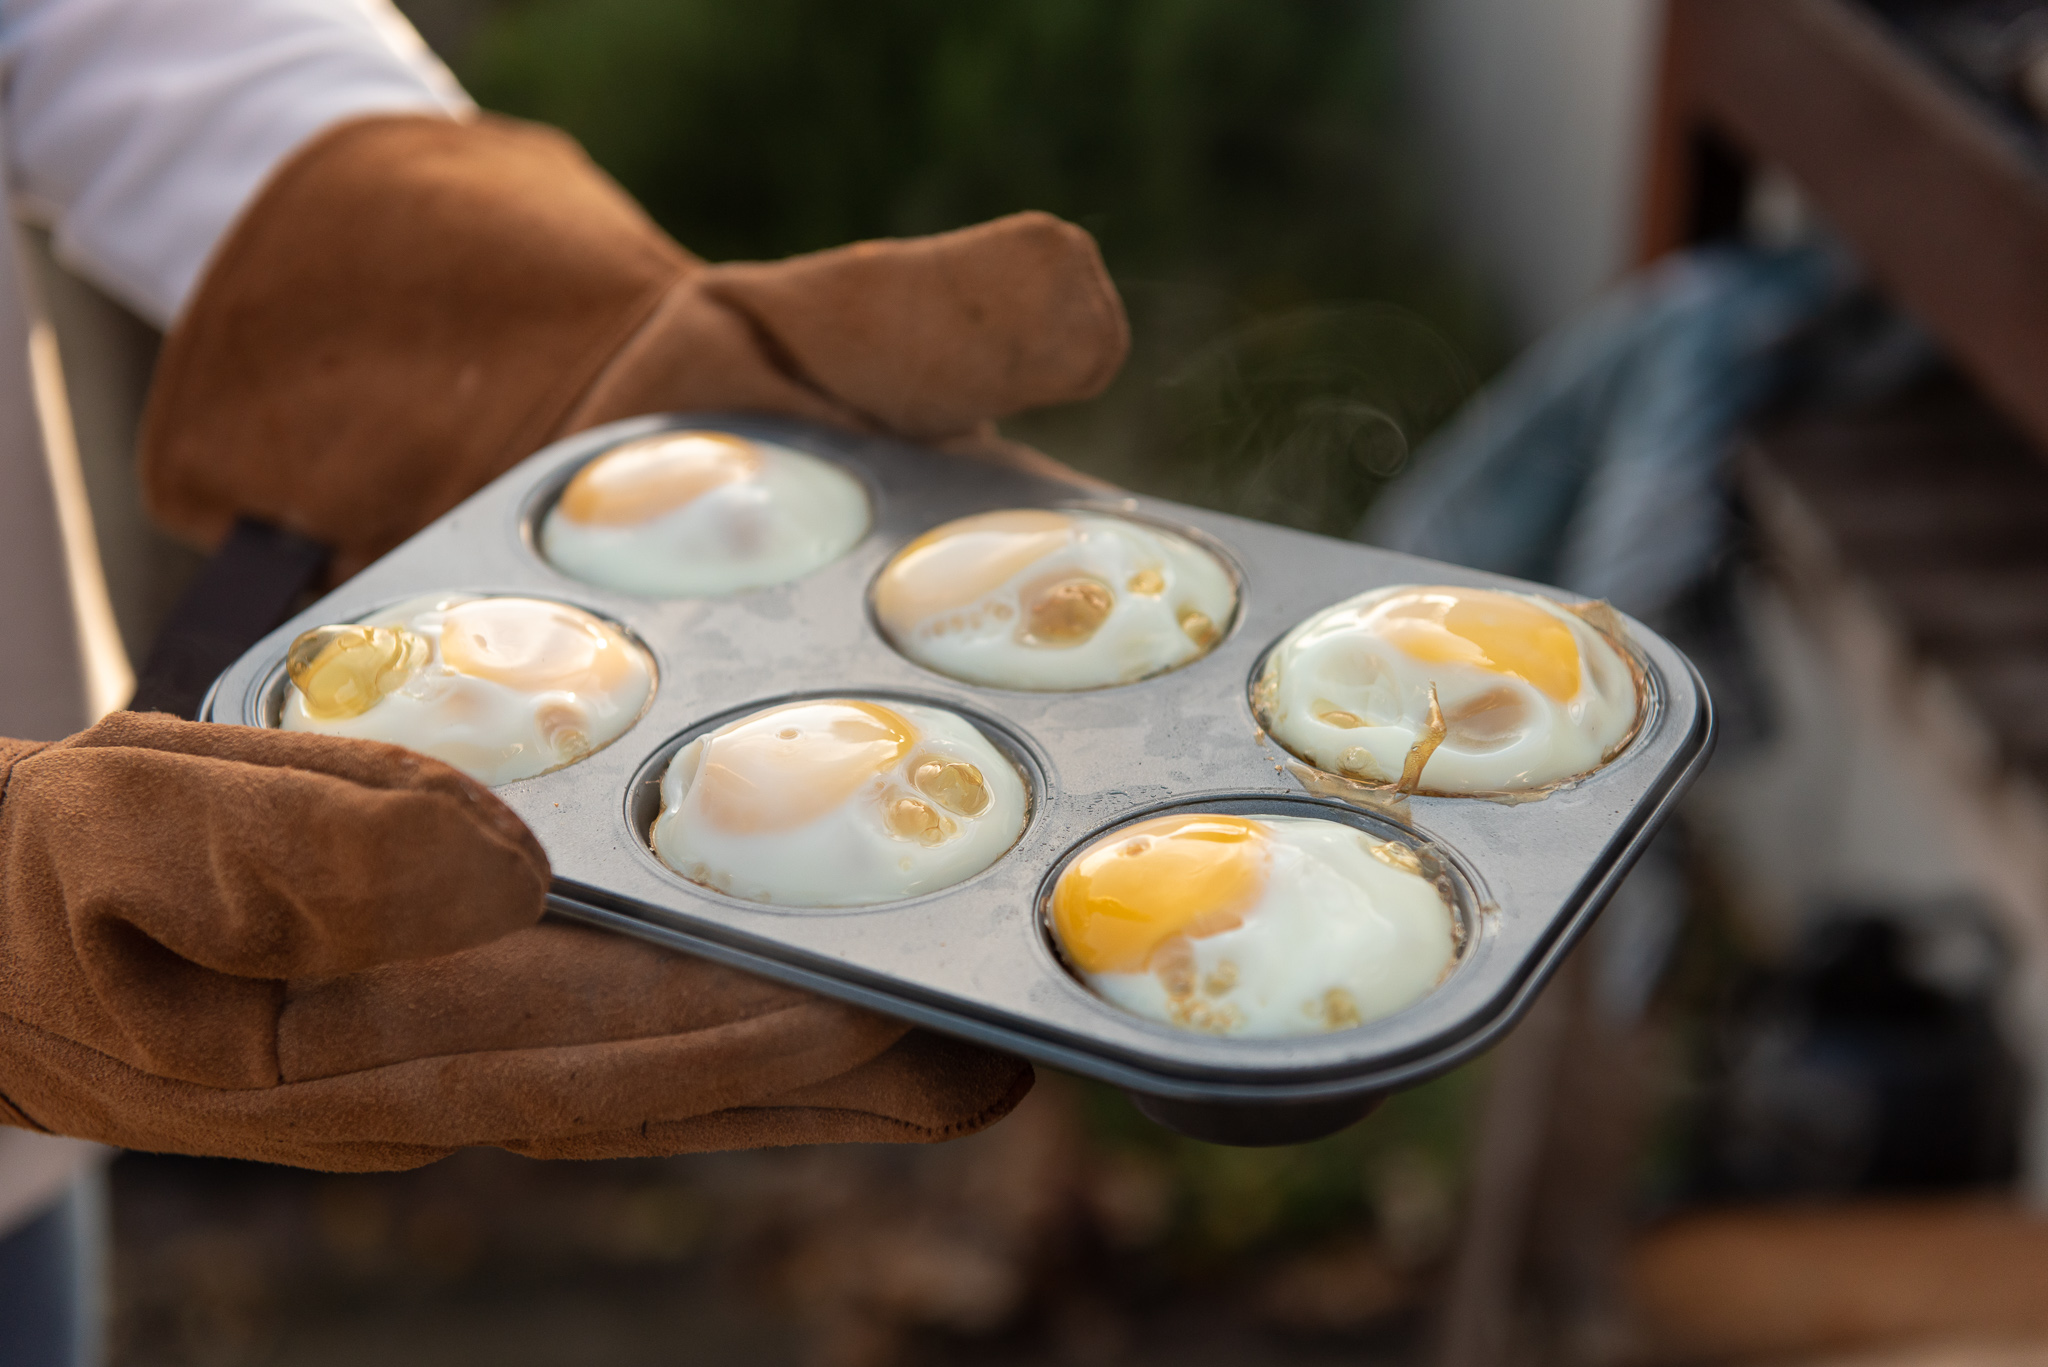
<point x="975" y="960"/>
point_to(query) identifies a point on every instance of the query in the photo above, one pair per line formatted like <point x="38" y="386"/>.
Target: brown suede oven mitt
<point x="303" y="949"/>
<point x="324" y="952"/>
<point x="412" y="305"/>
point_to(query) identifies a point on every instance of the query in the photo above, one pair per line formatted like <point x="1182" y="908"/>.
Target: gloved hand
<point x="297" y="948"/>
<point x="412" y="305"/>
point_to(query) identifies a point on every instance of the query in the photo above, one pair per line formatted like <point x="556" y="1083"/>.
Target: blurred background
<point x="1760" y="288"/>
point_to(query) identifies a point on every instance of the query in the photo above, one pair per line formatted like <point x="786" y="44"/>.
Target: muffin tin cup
<point x="974" y="960"/>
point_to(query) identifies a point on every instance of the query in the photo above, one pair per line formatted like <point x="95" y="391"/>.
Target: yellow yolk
<point x="533" y="646"/>
<point x="646" y="479"/>
<point x="954" y="784"/>
<point x="962" y="562"/>
<point x="1171" y="876"/>
<point x="1496" y="632"/>
<point x="344" y="671"/>
<point x="790" y="765"/>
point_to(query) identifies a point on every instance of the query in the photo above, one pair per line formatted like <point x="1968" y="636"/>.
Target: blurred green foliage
<point x="1253" y="145"/>
<point x="1237" y="159"/>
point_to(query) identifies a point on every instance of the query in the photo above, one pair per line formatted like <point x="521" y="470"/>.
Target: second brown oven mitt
<point x="303" y="949"/>
<point x="413" y="304"/>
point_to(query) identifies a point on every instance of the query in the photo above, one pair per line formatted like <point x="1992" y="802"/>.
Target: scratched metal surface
<point x="974" y="959"/>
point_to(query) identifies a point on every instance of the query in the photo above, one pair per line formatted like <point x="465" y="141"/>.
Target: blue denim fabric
<point x="1595" y="463"/>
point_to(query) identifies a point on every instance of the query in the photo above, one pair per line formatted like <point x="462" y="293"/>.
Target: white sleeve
<point x="137" y="130"/>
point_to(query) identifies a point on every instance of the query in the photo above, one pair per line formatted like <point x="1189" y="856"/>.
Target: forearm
<point x="138" y="131"/>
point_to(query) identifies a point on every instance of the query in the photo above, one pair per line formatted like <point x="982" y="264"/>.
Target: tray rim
<point x="545" y="472"/>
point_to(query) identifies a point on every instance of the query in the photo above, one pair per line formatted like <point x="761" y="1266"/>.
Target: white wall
<point x="1537" y="112"/>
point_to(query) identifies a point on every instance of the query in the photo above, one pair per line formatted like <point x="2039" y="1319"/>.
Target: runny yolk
<point x="954" y="784"/>
<point x="962" y="562"/>
<point x="1496" y="632"/>
<point x="646" y="479"/>
<point x="535" y="647"/>
<point x="909" y="818"/>
<point x="1124" y="897"/>
<point x="788" y="766"/>
<point x="345" y="671"/>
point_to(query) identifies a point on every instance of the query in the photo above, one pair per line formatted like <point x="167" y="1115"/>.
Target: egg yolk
<point x="345" y="671"/>
<point x="534" y="647"/>
<point x="1066" y="612"/>
<point x="788" y="766"/>
<point x="1496" y="632"/>
<point x="960" y="563"/>
<point x="654" y="476"/>
<point x="1193" y="876"/>
<point x="954" y="784"/>
<point x="909" y="818"/>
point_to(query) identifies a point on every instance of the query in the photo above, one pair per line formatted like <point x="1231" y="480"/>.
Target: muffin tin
<point x="974" y="960"/>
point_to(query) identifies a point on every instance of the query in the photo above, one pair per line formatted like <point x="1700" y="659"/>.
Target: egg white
<point x="979" y="636"/>
<point x="489" y="730"/>
<point x="1339" y="938"/>
<point x="846" y="856"/>
<point x="1337" y="660"/>
<point x="795" y="514"/>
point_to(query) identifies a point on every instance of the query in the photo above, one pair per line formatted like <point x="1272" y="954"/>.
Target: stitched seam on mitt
<point x="772" y="351"/>
<point x="785" y="364"/>
<point x="988" y="1115"/>
<point x="935" y="1134"/>
<point x="553" y="414"/>
<point x="11" y="1114"/>
<point x="139" y="1070"/>
<point x="783" y="361"/>
<point x="911" y="1131"/>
